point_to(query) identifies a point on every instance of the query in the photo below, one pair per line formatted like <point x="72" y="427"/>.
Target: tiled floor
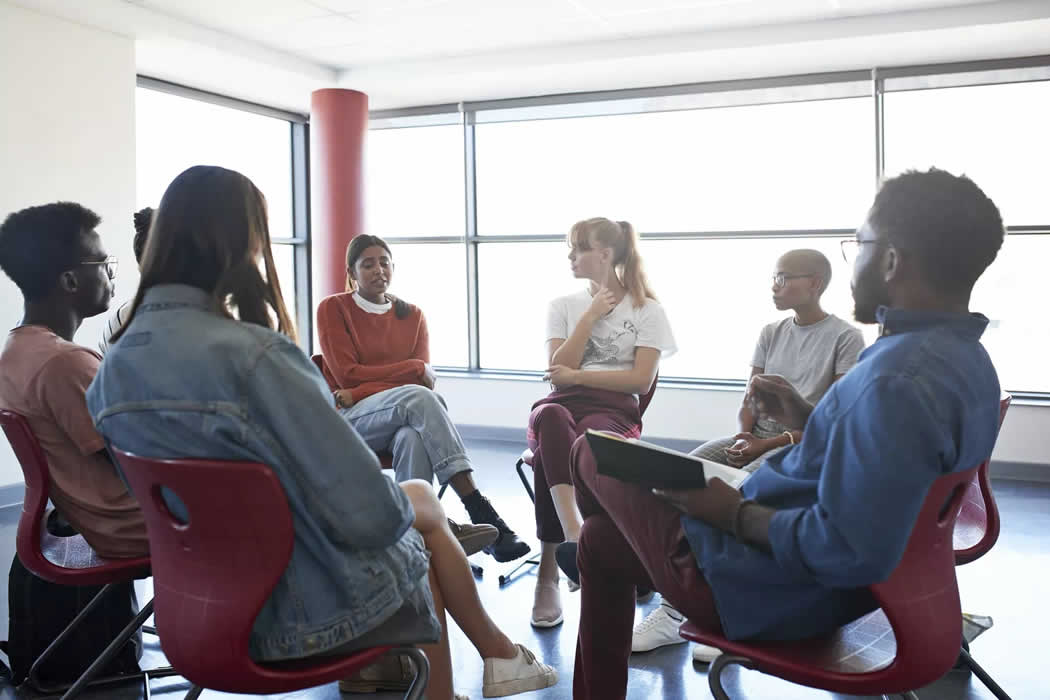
<point x="1008" y="584"/>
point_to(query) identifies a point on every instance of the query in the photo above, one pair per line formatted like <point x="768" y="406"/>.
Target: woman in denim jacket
<point x="197" y="371"/>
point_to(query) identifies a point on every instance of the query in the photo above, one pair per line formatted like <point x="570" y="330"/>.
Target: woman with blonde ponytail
<point x="604" y="345"/>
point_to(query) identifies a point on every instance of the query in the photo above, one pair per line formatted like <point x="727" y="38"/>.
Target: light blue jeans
<point x="412" y="423"/>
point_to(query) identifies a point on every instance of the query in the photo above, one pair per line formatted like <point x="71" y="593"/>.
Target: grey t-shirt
<point x="810" y="357"/>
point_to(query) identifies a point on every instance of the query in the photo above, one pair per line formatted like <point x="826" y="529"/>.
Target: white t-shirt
<point x="616" y="335"/>
<point x="113" y="324"/>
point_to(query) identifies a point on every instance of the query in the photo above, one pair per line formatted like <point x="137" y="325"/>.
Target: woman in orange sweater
<point x="377" y="362"/>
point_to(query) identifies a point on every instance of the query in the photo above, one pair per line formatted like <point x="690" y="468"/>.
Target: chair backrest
<point x="977" y="528"/>
<point x="921" y="596"/>
<point x="645" y="399"/>
<point x="212" y="574"/>
<point x="37" y="474"/>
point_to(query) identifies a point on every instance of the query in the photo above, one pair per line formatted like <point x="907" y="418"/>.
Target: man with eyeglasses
<point x="811" y="349"/>
<point x="56" y="258"/>
<point x="792" y="554"/>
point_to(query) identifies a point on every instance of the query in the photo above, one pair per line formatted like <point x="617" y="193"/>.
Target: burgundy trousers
<point x="555" y="423"/>
<point x="630" y="539"/>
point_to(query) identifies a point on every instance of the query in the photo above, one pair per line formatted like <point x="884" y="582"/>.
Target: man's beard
<point x="869" y="293"/>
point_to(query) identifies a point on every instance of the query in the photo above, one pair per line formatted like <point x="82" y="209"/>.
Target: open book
<point x="646" y="464"/>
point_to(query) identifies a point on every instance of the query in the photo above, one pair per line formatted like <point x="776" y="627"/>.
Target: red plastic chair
<point x="977" y="528"/>
<point x="67" y="561"/>
<point x="976" y="532"/>
<point x="911" y="641"/>
<point x="527" y="457"/>
<point x="213" y="574"/>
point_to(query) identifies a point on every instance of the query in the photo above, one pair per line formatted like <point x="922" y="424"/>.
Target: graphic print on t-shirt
<point x="606" y="349"/>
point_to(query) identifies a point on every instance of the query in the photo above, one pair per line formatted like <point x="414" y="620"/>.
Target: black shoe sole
<point x="507" y="552"/>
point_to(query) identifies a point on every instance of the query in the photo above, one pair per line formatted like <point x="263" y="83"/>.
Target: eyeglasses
<point x="110" y="263"/>
<point x="851" y="247"/>
<point x="780" y="279"/>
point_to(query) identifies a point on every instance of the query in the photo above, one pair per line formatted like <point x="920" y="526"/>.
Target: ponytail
<point x="632" y="271"/>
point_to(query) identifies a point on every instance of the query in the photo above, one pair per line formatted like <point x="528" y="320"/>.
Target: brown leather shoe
<point x="473" y="538"/>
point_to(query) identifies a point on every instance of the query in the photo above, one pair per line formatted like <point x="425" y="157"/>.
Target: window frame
<point x="300" y="188"/>
<point x="876" y="82"/>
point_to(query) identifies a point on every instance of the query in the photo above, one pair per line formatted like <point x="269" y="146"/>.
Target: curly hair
<point x="40" y="243"/>
<point x="951" y="227"/>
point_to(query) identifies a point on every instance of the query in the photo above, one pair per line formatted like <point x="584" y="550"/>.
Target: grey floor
<point x="1009" y="584"/>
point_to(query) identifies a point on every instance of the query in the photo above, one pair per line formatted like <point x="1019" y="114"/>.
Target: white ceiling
<point x="348" y="34"/>
<point x="408" y="52"/>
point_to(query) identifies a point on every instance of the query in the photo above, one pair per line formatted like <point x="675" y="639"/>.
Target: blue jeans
<point x="412" y="423"/>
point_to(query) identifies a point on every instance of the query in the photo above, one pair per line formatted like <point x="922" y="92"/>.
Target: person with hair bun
<point x="376" y="352"/>
<point x="604" y="345"/>
<point x="142" y="219"/>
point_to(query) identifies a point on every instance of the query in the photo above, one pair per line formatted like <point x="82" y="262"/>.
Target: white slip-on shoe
<point x="659" y="629"/>
<point x="512" y="676"/>
<point x="546" y="605"/>
<point x="703" y="654"/>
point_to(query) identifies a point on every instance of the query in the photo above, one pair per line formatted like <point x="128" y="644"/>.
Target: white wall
<point x="701" y="414"/>
<point x="67" y="132"/>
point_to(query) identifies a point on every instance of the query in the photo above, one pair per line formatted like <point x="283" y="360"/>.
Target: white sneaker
<point x="659" y="629"/>
<point x="518" y="675"/>
<point x="703" y="654"/>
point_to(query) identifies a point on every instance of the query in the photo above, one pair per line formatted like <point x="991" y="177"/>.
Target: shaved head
<point x="806" y="261"/>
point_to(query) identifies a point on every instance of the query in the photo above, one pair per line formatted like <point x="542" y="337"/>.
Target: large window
<point x="176" y="131"/>
<point x="719" y="181"/>
<point x="414" y="199"/>
<point x="777" y="166"/>
<point x="997" y="135"/>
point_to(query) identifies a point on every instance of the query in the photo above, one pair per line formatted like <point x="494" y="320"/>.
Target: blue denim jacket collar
<point x="970" y="326"/>
<point x="169" y="296"/>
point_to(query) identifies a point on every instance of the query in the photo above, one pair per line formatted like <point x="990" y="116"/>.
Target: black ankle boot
<point x="508" y="547"/>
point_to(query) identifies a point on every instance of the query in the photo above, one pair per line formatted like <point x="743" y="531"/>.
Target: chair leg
<point x="422" y="668"/>
<point x="441" y="491"/>
<point x="509" y="576"/>
<point x="111" y="651"/>
<point x="714" y="674"/>
<point x="983" y="675"/>
<point x="195" y="692"/>
<point x="524" y="480"/>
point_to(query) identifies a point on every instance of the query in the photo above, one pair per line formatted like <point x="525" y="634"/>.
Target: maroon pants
<point x="555" y="423"/>
<point x="630" y="538"/>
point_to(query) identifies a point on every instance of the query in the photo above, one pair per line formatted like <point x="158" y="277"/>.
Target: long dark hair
<point x="358" y="245"/>
<point x="208" y="232"/>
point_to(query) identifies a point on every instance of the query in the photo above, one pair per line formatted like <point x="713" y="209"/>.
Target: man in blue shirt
<point x="792" y="553"/>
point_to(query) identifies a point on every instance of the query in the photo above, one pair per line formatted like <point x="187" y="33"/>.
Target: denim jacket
<point x="185" y="381"/>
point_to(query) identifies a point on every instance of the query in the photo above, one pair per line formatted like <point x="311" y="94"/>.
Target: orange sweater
<point x="369" y="353"/>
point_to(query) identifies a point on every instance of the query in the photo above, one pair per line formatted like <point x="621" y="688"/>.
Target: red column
<point x="338" y="123"/>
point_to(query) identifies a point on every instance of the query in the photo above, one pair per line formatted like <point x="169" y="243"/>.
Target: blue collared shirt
<point x="185" y="381"/>
<point x="921" y="402"/>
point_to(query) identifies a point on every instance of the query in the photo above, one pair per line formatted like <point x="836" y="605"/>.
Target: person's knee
<point x="424" y="502"/>
<point x="549" y="414"/>
<point x="421" y="399"/>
